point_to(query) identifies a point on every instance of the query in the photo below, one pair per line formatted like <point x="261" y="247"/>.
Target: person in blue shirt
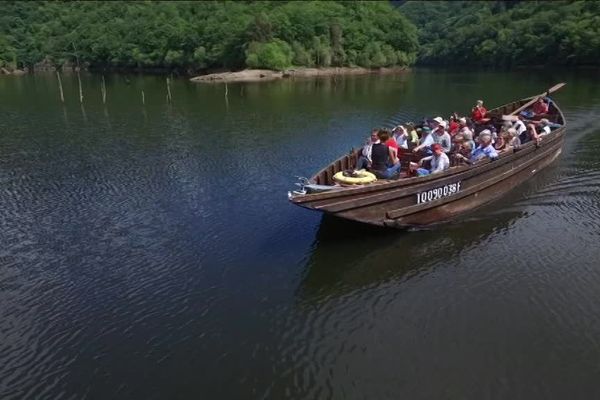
<point x="484" y="150"/>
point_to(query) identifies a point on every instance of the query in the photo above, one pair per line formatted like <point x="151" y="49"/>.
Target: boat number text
<point x="438" y="193"/>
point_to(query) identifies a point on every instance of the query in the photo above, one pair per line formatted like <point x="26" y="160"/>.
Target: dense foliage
<point x="202" y="35"/>
<point x="507" y="33"/>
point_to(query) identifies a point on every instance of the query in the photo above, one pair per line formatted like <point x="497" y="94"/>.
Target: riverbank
<point x="263" y="75"/>
<point x="10" y="71"/>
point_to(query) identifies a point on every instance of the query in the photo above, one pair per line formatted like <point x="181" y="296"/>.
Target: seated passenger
<point x="454" y="125"/>
<point x="485" y="149"/>
<point x="464" y="123"/>
<point x="546" y="126"/>
<point x="517" y="124"/>
<point x="364" y="160"/>
<point x="466" y="148"/>
<point x="441" y="137"/>
<point x="385" y="163"/>
<point x="438" y="161"/>
<point x="540" y="107"/>
<point x="506" y="125"/>
<point x="414" y="137"/>
<point x="390" y="142"/>
<point x="426" y="141"/>
<point x="478" y="112"/>
<point x="457" y="142"/>
<point x="468" y="138"/>
<point x="530" y="134"/>
<point x="401" y="136"/>
<point x="501" y="141"/>
<point x="513" y="142"/>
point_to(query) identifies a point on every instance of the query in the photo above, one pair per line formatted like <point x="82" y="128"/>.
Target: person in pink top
<point x="540" y="107"/>
<point x="393" y="145"/>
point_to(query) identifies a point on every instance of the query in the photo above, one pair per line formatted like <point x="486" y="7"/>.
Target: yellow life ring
<point x="362" y="177"/>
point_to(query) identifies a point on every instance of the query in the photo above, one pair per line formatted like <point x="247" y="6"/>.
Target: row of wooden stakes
<point x="103" y="90"/>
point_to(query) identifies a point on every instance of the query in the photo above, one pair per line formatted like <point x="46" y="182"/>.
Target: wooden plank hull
<point x="436" y="198"/>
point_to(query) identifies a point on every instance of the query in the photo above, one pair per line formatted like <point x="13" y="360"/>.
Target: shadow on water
<point x="349" y="256"/>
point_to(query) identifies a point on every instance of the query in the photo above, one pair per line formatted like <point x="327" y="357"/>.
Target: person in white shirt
<point x="439" y="162"/>
<point x="519" y="125"/>
<point x="364" y="160"/>
<point x="441" y="137"/>
<point x="401" y="136"/>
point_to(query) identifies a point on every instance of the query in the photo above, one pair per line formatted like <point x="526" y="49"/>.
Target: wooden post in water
<point x="60" y="88"/>
<point x="226" y="91"/>
<point x="103" y="89"/>
<point x="80" y="88"/>
<point x="78" y="75"/>
<point x="143" y="98"/>
<point x="169" y="97"/>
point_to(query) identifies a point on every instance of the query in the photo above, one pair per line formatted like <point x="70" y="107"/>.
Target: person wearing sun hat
<point x="401" y="136"/>
<point x="438" y="121"/>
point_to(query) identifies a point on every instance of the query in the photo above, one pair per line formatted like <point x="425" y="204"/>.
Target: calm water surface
<point x="149" y="252"/>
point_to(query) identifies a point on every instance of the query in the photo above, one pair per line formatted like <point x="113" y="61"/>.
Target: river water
<point x="149" y="251"/>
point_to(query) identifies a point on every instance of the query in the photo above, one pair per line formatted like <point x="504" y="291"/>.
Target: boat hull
<point x="420" y="201"/>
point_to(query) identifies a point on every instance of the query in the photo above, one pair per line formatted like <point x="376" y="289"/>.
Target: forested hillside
<point x="194" y="36"/>
<point x="205" y="35"/>
<point x="507" y="33"/>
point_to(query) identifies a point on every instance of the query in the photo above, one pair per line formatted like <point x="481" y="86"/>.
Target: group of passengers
<point x="461" y="139"/>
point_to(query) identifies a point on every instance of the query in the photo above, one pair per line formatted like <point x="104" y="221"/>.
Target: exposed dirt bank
<point x="260" y="75"/>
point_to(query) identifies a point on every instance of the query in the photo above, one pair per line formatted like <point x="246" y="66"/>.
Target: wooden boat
<point x="418" y="201"/>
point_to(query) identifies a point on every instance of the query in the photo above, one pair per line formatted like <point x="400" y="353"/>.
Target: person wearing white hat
<point x="401" y="136"/>
<point x="441" y="137"/>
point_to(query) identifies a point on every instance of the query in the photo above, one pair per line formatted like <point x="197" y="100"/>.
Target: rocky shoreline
<point x="246" y="75"/>
<point x="264" y="75"/>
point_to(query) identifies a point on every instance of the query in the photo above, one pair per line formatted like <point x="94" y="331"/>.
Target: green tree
<point x="275" y="54"/>
<point x="496" y="33"/>
<point x="204" y="35"/>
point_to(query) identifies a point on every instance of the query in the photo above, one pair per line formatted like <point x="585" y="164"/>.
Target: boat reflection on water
<point x="350" y="256"/>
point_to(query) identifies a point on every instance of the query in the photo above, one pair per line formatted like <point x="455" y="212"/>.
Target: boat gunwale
<point x="390" y="195"/>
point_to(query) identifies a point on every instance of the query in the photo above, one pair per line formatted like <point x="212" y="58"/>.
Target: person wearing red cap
<point x="438" y="161"/>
